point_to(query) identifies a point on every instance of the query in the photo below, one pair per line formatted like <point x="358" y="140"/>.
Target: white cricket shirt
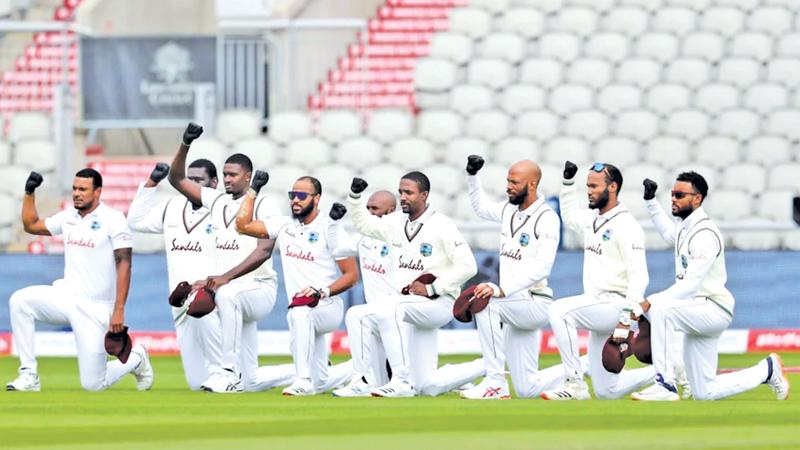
<point x="309" y="252"/>
<point x="614" y="252"/>
<point x="699" y="257"/>
<point x="431" y="244"/>
<point x="377" y="261"/>
<point x="89" y="243"/>
<point x="528" y="240"/>
<point x="231" y="247"/>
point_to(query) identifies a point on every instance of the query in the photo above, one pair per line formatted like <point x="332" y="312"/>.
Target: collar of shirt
<point x="298" y="224"/>
<point x="613" y="211"/>
<point x="696" y="216"/>
<point x="413" y="226"/>
<point x="530" y="209"/>
<point x="96" y="213"/>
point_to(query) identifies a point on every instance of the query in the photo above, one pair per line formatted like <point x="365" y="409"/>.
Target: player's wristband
<point x="568" y="182"/>
<point x="495" y="289"/>
<point x="324" y="292"/>
<point x="620" y="333"/>
<point x="430" y="290"/>
<point x="252" y="193"/>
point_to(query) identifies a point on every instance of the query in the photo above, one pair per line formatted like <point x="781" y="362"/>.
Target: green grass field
<point x="170" y="416"/>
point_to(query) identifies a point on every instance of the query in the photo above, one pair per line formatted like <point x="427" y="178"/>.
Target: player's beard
<point x="304" y="212"/>
<point x="601" y="202"/>
<point x="684" y="212"/>
<point x="519" y="198"/>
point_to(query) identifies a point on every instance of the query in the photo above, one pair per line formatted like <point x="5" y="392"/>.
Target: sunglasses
<point x="598" y="167"/>
<point x="680" y="194"/>
<point x="300" y="195"/>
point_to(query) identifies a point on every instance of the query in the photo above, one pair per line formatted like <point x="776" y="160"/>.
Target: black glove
<point x="34" y="181"/>
<point x="260" y="178"/>
<point x="159" y="172"/>
<point x="570" y="169"/>
<point x="358" y="185"/>
<point x="650" y="187"/>
<point x="337" y="211"/>
<point x="474" y="164"/>
<point x="193" y="131"/>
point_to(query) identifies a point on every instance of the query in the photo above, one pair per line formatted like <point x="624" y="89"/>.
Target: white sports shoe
<point x="571" y="390"/>
<point x="144" y="371"/>
<point x="300" y="388"/>
<point x="656" y="393"/>
<point x="27" y="381"/>
<point x="223" y="381"/>
<point x="394" y="388"/>
<point x="357" y="388"/>
<point x="488" y="389"/>
<point x="778" y="381"/>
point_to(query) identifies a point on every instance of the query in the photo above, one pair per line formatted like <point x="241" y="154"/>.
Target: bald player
<point x="377" y="267"/>
<point x="529" y="240"/>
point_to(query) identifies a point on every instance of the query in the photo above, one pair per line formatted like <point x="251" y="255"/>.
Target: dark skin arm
<point x="348" y="279"/>
<point x="253" y="261"/>
<point x="244" y="218"/>
<point x="122" y="258"/>
<point x="30" y="217"/>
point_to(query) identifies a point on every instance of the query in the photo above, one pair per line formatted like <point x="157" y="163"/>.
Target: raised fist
<point x="193" y="131"/>
<point x="337" y="211"/>
<point x="474" y="164"/>
<point x="358" y="185"/>
<point x="260" y="178"/>
<point x="570" y="169"/>
<point x="650" y="187"/>
<point x="159" y="172"/>
<point x="34" y="181"/>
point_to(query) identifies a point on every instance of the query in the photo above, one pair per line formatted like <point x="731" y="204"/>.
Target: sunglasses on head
<point x="598" y="167"/>
<point x="300" y="195"/>
<point x="680" y="194"/>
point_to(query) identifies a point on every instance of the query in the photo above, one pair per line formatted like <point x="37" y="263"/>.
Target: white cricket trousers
<point x="599" y="314"/>
<point x="88" y="320"/>
<point x="240" y="305"/>
<point x="200" y="344"/>
<point x="702" y="323"/>
<point x="518" y="341"/>
<point x="307" y="329"/>
<point x="366" y="347"/>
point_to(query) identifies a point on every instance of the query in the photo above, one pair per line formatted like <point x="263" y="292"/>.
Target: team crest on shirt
<point x="384" y="250"/>
<point x="607" y="235"/>
<point x="524" y="239"/>
<point x="684" y="262"/>
<point x="313" y="237"/>
<point x="95" y="225"/>
<point x="209" y="228"/>
<point x="426" y="249"/>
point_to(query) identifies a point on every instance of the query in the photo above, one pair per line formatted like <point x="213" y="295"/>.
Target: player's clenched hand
<point x="260" y="178"/>
<point x="160" y="171"/>
<point x="310" y="292"/>
<point x="117" y="321"/>
<point x="358" y="185"/>
<point x="650" y="187"/>
<point x="193" y="131"/>
<point x="570" y="169"/>
<point x="484" y="290"/>
<point x="338" y="211"/>
<point x="216" y="282"/>
<point x="417" y="288"/>
<point x="34" y="181"/>
<point x="474" y="164"/>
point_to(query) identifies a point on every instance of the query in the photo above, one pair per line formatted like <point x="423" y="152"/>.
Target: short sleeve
<point x="54" y="222"/>
<point x="266" y="207"/>
<point x="119" y="233"/>
<point x="208" y="196"/>
<point x="275" y="224"/>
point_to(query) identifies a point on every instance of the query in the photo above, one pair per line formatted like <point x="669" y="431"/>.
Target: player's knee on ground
<point x="609" y="392"/>
<point x="93" y="384"/>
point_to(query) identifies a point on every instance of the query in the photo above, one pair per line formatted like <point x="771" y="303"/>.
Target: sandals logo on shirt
<point x="607" y="235"/>
<point x="95" y="225"/>
<point x="524" y="239"/>
<point x="313" y="237"/>
<point x="426" y="249"/>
